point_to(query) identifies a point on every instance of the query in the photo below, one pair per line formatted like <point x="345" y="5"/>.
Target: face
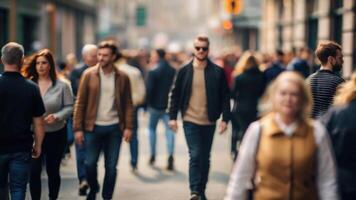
<point x="90" y="57"/>
<point x="105" y="57"/>
<point x="287" y="98"/>
<point x="154" y="57"/>
<point x="337" y="61"/>
<point x="201" y="50"/>
<point x="42" y="66"/>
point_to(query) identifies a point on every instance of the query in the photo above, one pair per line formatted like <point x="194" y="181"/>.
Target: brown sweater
<point x="286" y="166"/>
<point x="197" y="111"/>
<point x="86" y="105"/>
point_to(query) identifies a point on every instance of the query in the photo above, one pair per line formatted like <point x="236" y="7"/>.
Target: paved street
<point x="155" y="183"/>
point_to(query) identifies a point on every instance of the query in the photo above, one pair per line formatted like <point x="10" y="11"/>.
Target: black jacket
<point x="158" y="84"/>
<point x="341" y="125"/>
<point x="217" y="92"/>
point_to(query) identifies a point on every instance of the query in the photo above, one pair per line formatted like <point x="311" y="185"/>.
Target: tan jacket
<point x="86" y="106"/>
<point x="286" y="166"/>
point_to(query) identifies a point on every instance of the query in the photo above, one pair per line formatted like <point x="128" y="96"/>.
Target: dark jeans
<point x="80" y="158"/>
<point x="53" y="147"/>
<point x="134" y="139"/>
<point x="199" y="139"/>
<point x="14" y="170"/>
<point x="106" y="139"/>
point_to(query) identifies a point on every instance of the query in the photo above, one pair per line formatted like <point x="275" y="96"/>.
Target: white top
<point x="107" y="112"/>
<point x="240" y="179"/>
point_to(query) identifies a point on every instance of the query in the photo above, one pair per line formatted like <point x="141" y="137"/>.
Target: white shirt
<point x="107" y="112"/>
<point x="240" y="179"/>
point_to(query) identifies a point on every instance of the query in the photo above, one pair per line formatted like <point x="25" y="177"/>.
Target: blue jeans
<point x="199" y="139"/>
<point x="106" y="139"/>
<point x="155" y="116"/>
<point x="15" y="167"/>
<point x="80" y="158"/>
<point x="134" y="139"/>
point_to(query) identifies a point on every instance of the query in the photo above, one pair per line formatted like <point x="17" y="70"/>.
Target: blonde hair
<point x="346" y="92"/>
<point x="267" y="104"/>
<point x="247" y="61"/>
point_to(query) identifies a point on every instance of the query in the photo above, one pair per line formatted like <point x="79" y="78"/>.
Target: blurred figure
<point x="89" y="56"/>
<point x="300" y="63"/>
<point x="58" y="100"/>
<point x="201" y="94"/>
<point x="276" y="67"/>
<point x="103" y="110"/>
<point x="138" y="91"/>
<point x="20" y="106"/>
<point x="70" y="63"/>
<point x="285" y="155"/>
<point x="247" y="89"/>
<point x="158" y="85"/>
<point x="340" y="123"/>
<point x="324" y="82"/>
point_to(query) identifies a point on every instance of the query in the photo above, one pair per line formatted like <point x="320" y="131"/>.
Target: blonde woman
<point x="285" y="155"/>
<point x="340" y="123"/>
<point x="248" y="87"/>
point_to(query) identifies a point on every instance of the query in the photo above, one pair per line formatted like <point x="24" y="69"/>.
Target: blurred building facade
<point x="288" y="24"/>
<point x="60" y="25"/>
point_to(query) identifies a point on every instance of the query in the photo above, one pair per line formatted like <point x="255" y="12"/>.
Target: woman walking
<point x="285" y="155"/>
<point x="58" y="100"/>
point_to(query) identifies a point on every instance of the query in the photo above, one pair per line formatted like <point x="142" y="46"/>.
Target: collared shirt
<point x="107" y="113"/>
<point x="240" y="179"/>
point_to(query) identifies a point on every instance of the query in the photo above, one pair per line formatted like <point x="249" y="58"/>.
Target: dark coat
<point x="247" y="89"/>
<point x="217" y="92"/>
<point x="341" y="125"/>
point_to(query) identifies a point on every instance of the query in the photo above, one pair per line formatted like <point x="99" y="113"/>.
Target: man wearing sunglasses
<point x="201" y="94"/>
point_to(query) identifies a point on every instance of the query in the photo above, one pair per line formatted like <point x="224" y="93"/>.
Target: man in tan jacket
<point x="103" y="116"/>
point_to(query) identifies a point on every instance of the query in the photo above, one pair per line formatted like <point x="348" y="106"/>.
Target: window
<point x="336" y="13"/>
<point x="312" y="24"/>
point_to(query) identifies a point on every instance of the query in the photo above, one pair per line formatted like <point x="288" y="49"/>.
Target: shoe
<point x="152" y="160"/>
<point x="133" y="168"/>
<point x="91" y="195"/>
<point x="194" y="196"/>
<point x="170" y="166"/>
<point x="83" y="187"/>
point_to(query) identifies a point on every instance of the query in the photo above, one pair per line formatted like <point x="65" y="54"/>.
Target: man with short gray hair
<point x="20" y="106"/>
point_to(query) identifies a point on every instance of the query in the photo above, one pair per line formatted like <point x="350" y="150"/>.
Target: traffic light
<point x="233" y="6"/>
<point x="141" y="15"/>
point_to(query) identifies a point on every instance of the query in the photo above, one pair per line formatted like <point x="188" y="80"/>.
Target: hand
<point x="222" y="127"/>
<point x="127" y="135"/>
<point x="36" y="151"/>
<point x="173" y="125"/>
<point x="79" y="137"/>
<point x="51" y="118"/>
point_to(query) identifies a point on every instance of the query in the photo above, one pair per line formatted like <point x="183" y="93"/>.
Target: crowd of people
<point x="292" y="124"/>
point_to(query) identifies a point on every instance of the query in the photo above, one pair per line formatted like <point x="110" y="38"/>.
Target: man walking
<point x="324" y="82"/>
<point x="201" y="94"/>
<point x="138" y="97"/>
<point x="159" y="82"/>
<point x="103" y="116"/>
<point x="20" y="106"/>
<point x="89" y="54"/>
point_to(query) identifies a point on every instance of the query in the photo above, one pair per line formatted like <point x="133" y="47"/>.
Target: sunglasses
<point x="201" y="48"/>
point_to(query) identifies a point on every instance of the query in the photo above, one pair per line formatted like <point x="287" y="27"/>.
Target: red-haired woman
<point x="58" y="100"/>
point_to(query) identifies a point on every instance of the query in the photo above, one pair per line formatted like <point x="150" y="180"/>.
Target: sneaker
<point x="83" y="187"/>
<point x="152" y="160"/>
<point x="194" y="196"/>
<point x="170" y="166"/>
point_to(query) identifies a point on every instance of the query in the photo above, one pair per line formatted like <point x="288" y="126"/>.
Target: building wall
<point x="296" y="31"/>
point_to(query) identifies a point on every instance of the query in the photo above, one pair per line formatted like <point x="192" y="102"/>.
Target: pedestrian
<point x="275" y="68"/>
<point x="20" y="106"/>
<point x="340" y="123"/>
<point x="300" y="63"/>
<point x="248" y="87"/>
<point x="159" y="82"/>
<point x="285" y="155"/>
<point x="89" y="57"/>
<point x="58" y="101"/>
<point x="138" y="92"/>
<point x="103" y="116"/>
<point x="201" y="94"/>
<point x="324" y="82"/>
